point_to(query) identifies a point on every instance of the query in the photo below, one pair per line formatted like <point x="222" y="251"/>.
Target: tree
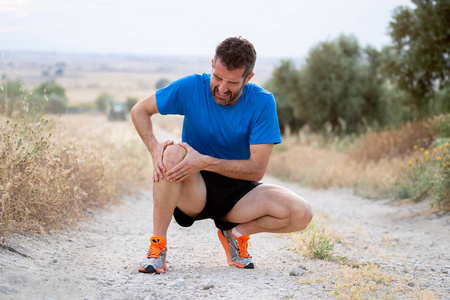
<point x="419" y="60"/>
<point x="12" y="95"/>
<point x="162" y="83"/>
<point x="284" y="84"/>
<point x="103" y="100"/>
<point x="339" y="86"/>
<point x="131" y="101"/>
<point x="52" y="95"/>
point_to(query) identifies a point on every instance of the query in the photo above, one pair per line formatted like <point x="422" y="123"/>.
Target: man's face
<point x="226" y="86"/>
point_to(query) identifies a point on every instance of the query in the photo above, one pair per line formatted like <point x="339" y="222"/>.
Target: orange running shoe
<point x="155" y="262"/>
<point x="236" y="249"/>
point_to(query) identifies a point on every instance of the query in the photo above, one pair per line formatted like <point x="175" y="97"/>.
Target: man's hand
<point x="157" y="156"/>
<point x="192" y="163"/>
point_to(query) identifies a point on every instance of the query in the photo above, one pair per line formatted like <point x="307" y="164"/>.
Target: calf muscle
<point x="270" y="208"/>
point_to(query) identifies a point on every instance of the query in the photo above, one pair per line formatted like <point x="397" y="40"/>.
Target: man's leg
<point x="266" y="208"/>
<point x="270" y="208"/>
<point x="189" y="196"/>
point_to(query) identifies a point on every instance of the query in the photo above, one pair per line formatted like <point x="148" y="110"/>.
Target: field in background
<point x="85" y="77"/>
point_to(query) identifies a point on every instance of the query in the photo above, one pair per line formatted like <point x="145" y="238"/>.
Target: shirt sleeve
<point x="171" y="99"/>
<point x="266" y="129"/>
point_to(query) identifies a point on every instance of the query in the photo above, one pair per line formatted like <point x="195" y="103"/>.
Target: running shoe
<point x="155" y="262"/>
<point x="236" y="249"/>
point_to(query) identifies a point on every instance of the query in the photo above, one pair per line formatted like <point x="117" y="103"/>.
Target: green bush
<point x="49" y="97"/>
<point x="441" y="125"/>
<point x="318" y="242"/>
<point x="428" y="175"/>
<point x="131" y="101"/>
<point x="162" y="83"/>
<point x="12" y="95"/>
<point x="102" y="101"/>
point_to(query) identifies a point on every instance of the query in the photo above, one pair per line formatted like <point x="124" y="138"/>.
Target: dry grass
<point x="397" y="142"/>
<point x="372" y="164"/>
<point x="348" y="277"/>
<point x="325" y="167"/>
<point x="47" y="181"/>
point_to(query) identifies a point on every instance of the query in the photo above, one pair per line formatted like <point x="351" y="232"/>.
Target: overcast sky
<point x="279" y="28"/>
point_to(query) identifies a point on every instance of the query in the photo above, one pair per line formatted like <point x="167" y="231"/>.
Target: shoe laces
<point x="243" y="243"/>
<point x="157" y="246"/>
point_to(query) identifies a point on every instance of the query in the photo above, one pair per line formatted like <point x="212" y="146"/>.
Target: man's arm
<point x="141" y="116"/>
<point x="252" y="169"/>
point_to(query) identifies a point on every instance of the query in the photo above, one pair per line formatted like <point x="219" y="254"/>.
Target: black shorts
<point x="222" y="194"/>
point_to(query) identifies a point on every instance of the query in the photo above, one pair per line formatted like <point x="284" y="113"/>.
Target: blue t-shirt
<point x="221" y="131"/>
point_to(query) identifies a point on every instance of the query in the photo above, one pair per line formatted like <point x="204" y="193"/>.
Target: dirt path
<point x="98" y="259"/>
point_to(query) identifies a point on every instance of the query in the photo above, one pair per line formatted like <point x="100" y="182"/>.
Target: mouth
<point x="220" y="95"/>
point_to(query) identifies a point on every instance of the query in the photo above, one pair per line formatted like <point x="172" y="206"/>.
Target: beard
<point x="229" y="97"/>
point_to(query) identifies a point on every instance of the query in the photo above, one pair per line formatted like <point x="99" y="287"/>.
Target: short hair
<point x="235" y="53"/>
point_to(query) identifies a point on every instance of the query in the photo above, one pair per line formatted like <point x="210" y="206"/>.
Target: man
<point x="229" y="129"/>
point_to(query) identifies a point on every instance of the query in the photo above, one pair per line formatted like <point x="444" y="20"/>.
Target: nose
<point x="223" y="88"/>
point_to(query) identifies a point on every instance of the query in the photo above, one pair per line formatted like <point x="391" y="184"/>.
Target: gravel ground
<point x="98" y="259"/>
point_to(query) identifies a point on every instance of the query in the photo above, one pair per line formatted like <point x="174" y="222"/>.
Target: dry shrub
<point x="393" y="142"/>
<point x="365" y="282"/>
<point x="324" y="168"/>
<point x="47" y="181"/>
<point x="312" y="167"/>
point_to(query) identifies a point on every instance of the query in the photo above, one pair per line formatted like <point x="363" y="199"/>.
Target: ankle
<point x="158" y="239"/>
<point x="236" y="233"/>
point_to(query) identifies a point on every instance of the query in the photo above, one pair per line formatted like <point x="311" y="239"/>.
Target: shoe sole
<point x="151" y="269"/>
<point x="225" y="245"/>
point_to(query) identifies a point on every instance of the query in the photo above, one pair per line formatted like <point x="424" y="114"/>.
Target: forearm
<point x="240" y="169"/>
<point x="144" y="126"/>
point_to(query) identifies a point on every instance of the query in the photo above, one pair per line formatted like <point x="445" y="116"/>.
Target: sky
<point x="278" y="28"/>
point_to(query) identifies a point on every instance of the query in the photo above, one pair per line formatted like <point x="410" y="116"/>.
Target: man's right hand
<point x="157" y="156"/>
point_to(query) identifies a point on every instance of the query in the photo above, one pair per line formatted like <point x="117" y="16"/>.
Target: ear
<point x="247" y="80"/>
<point x="212" y="63"/>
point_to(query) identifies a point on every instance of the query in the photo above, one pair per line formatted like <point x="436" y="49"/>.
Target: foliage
<point x="429" y="174"/>
<point x="318" y="242"/>
<point x="340" y="87"/>
<point x="50" y="96"/>
<point x="131" y="101"/>
<point x="12" y="95"/>
<point x="102" y="101"/>
<point x="284" y="85"/>
<point x="441" y="125"/>
<point x="48" y="88"/>
<point x="419" y="59"/>
<point x="363" y="282"/>
<point x="49" y="180"/>
<point x="441" y="101"/>
<point x="161" y="83"/>
<point x="397" y="142"/>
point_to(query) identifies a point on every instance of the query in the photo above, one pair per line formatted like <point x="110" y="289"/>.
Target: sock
<point x="235" y="232"/>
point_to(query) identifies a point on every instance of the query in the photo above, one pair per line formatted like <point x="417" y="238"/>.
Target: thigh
<point x="265" y="200"/>
<point x="193" y="195"/>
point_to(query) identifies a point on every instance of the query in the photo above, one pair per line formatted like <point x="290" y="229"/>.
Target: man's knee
<point x="172" y="155"/>
<point x="302" y="214"/>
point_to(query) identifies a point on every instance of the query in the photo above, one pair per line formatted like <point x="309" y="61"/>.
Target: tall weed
<point x="316" y="241"/>
<point x="53" y="172"/>
<point x="390" y="143"/>
<point x="428" y="175"/>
